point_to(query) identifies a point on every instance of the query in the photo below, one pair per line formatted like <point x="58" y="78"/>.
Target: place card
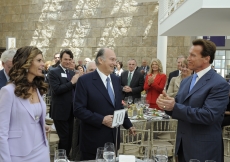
<point x="125" y="158"/>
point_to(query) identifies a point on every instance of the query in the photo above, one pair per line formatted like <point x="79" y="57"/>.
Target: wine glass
<point x="109" y="152"/>
<point x="161" y="154"/>
<point x="194" y="160"/>
<point x="130" y="100"/>
<point x="137" y="102"/>
<point x="99" y="155"/>
<point x="125" y="103"/>
<point x="147" y="107"/>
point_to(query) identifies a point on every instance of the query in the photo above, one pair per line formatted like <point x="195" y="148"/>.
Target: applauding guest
<point x="175" y="81"/>
<point x="154" y="82"/>
<point x="199" y="107"/>
<point x="22" y="110"/>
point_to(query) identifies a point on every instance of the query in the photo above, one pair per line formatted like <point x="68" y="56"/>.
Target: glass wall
<point x="222" y="62"/>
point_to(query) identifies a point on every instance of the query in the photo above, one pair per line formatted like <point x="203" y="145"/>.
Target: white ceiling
<point x="215" y="22"/>
<point x="198" y="20"/>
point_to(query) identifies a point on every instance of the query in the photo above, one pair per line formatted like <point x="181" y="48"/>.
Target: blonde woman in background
<point x="154" y="82"/>
<point x="174" y="84"/>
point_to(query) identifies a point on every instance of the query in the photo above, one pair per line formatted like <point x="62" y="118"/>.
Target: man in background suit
<point x="144" y="67"/>
<point x="132" y="81"/>
<point x="98" y="95"/>
<point x="177" y="72"/>
<point x="199" y="107"/>
<point x="76" y="154"/>
<point x="62" y="83"/>
<point x="6" y="58"/>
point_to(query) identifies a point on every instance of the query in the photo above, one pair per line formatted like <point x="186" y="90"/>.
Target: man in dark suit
<point x="132" y="81"/>
<point x="175" y="73"/>
<point x="144" y="67"/>
<point x="199" y="107"/>
<point x="62" y="83"/>
<point x="6" y="58"/>
<point x="98" y="95"/>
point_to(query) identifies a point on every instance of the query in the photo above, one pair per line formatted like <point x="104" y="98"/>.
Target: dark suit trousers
<point x="65" y="133"/>
<point x="87" y="156"/>
<point x="181" y="154"/>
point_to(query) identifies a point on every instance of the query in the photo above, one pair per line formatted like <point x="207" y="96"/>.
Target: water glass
<point x="59" y="153"/>
<point x="146" y="154"/>
<point x="99" y="155"/>
<point x="194" y="160"/>
<point x="130" y="100"/>
<point x="160" y="154"/>
<point x="61" y="159"/>
<point x="109" y="152"/>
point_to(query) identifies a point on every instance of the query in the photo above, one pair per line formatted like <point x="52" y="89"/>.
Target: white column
<point x="162" y="41"/>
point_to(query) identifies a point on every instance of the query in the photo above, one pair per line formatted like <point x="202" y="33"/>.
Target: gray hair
<point x="87" y="65"/>
<point x="87" y="59"/>
<point x="181" y="56"/>
<point x="100" y="54"/>
<point x="133" y="60"/>
<point x="8" y="55"/>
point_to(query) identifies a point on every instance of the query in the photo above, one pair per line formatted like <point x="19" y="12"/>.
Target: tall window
<point x="222" y="62"/>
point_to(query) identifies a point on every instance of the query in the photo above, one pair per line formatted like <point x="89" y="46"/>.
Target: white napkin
<point x="125" y="158"/>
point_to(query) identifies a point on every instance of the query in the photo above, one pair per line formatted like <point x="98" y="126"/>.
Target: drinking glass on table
<point x="125" y="101"/>
<point x="130" y="100"/>
<point x="147" y="107"/>
<point x="160" y="154"/>
<point x="109" y="152"/>
<point x="99" y="155"/>
<point x="194" y="160"/>
<point x="61" y="159"/>
<point x="59" y="153"/>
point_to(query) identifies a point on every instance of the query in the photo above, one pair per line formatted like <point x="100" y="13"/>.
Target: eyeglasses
<point x="56" y="57"/>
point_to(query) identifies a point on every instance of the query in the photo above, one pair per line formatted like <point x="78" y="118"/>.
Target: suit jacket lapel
<point x="178" y="81"/>
<point x="115" y="88"/>
<point x="133" y="78"/>
<point x="98" y="83"/>
<point x="125" y="77"/>
<point x="26" y="103"/>
<point x="200" y="83"/>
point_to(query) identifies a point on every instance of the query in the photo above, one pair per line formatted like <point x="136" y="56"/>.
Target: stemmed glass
<point x="147" y="107"/>
<point x="109" y="152"/>
<point x="160" y="154"/>
<point x="194" y="160"/>
<point x="130" y="100"/>
<point x="125" y="103"/>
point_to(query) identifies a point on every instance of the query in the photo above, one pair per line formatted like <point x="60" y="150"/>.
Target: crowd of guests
<point x="83" y="98"/>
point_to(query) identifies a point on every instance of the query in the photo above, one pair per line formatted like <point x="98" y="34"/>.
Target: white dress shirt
<point x="103" y="78"/>
<point x="202" y="72"/>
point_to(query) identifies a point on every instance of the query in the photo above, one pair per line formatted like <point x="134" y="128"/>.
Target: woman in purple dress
<point x="22" y="110"/>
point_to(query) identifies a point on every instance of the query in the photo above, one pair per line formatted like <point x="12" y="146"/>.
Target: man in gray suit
<point x="199" y="107"/>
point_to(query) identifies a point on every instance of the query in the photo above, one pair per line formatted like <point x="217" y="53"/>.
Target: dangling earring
<point x="27" y="70"/>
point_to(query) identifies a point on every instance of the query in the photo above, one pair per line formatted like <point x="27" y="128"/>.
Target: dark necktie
<point x="110" y="91"/>
<point x="129" y="79"/>
<point x="68" y="75"/>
